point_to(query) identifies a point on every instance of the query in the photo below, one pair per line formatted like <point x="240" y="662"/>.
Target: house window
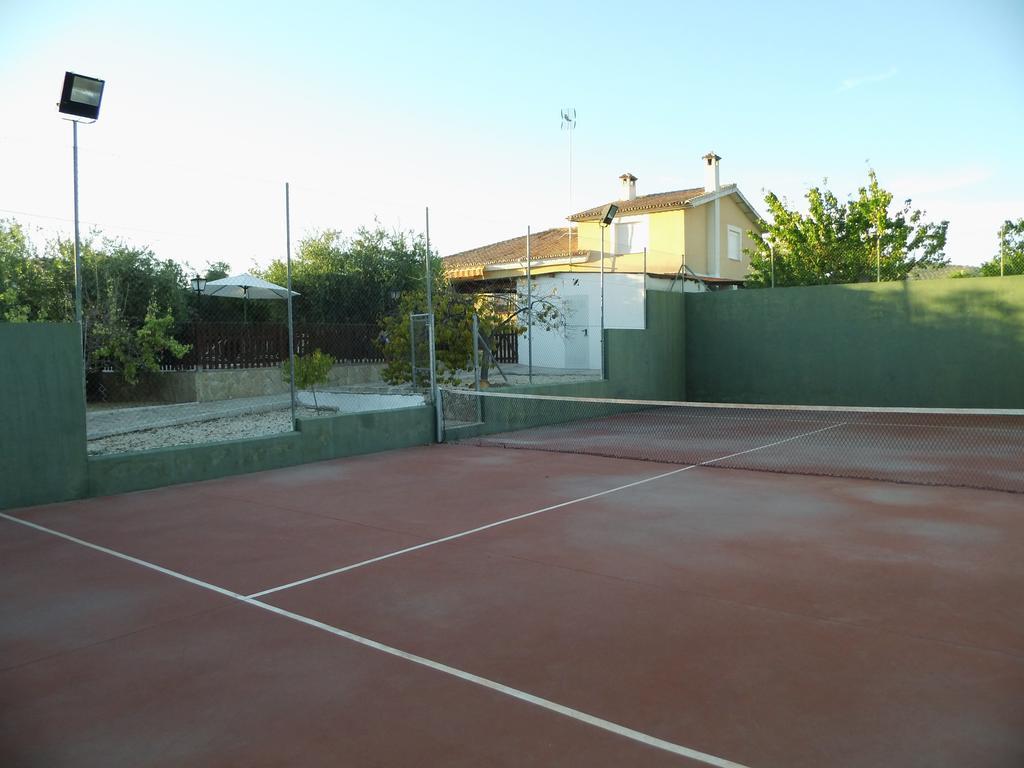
<point x="735" y="243"/>
<point x="630" y="235"/>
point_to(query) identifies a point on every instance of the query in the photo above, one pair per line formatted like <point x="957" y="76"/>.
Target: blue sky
<point x="379" y="110"/>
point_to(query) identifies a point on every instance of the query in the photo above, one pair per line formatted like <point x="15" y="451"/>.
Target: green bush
<point x="310" y="370"/>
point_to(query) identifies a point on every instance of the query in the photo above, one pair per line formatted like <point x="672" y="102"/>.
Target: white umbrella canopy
<point x="245" y="286"/>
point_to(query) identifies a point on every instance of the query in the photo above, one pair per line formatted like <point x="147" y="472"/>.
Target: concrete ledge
<point x="316" y="439"/>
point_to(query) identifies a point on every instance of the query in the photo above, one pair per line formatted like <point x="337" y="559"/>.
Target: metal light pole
<point x="606" y="218"/>
<point x="529" y="311"/>
<point x="435" y="391"/>
<point x="603" y="226"/>
<point x="78" y="245"/>
<point x="199" y="286"/>
<point x="80" y="98"/>
<point x="430" y="298"/>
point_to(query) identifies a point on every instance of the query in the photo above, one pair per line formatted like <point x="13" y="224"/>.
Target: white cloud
<point x="856" y="82"/>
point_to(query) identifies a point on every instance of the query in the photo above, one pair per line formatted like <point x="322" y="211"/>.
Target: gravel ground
<point x="213" y="430"/>
<point x="114" y="430"/>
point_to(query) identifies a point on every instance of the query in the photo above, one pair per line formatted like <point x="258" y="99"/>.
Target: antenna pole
<point x="569" y="124"/>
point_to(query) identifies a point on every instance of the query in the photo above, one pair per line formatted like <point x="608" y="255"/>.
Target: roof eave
<point x="677" y="205"/>
<point x="744" y="204"/>
<point x="578" y="258"/>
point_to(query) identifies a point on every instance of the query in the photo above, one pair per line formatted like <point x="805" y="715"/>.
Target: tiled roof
<point x="549" y="244"/>
<point x="662" y="201"/>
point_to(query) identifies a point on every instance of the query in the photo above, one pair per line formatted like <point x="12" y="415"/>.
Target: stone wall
<point x="207" y="385"/>
<point x="253" y="382"/>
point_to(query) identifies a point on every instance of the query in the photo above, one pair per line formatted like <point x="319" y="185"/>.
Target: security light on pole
<point x="606" y="218"/>
<point x="80" y="100"/>
<point x="81" y="96"/>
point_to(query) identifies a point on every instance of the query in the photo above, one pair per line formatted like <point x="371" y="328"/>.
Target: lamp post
<point x="606" y="218"/>
<point x="199" y="286"/>
<point x="79" y="99"/>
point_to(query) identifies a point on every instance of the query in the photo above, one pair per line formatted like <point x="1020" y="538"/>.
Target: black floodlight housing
<point x="608" y="214"/>
<point x="81" y="96"/>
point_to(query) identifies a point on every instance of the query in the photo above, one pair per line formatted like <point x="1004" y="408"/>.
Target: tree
<point x="453" y="326"/>
<point x="133" y="305"/>
<point x="860" y="240"/>
<point x="217" y="269"/>
<point x="129" y="349"/>
<point x="310" y="370"/>
<point x="352" y="279"/>
<point x="17" y="257"/>
<point x="1010" y="260"/>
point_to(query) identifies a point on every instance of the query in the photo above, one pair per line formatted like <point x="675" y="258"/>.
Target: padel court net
<point x="972" y="448"/>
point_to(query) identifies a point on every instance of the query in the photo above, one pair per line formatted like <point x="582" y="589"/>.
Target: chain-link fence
<point x="175" y="355"/>
<point x="209" y="359"/>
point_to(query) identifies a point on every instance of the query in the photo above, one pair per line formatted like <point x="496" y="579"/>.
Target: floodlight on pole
<point x="79" y="99"/>
<point x="81" y="96"/>
<point x="606" y="218"/>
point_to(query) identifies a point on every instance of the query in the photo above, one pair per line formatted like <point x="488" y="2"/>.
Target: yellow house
<point x="697" y="235"/>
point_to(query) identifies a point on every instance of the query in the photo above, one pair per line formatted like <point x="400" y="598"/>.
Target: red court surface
<point x="407" y="609"/>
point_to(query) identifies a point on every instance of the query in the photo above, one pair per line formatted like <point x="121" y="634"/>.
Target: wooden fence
<point x="506" y="347"/>
<point x="265" y="345"/>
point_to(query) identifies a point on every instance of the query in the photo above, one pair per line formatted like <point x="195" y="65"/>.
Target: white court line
<point x="507" y="520"/>
<point x="529" y="698"/>
<point x="461" y="534"/>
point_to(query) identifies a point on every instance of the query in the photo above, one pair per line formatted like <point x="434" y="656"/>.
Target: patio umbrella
<point x="245" y="287"/>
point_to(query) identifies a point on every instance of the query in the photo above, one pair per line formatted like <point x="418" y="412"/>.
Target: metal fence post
<point x="291" y="327"/>
<point x="434" y="390"/>
<point x="476" y="364"/>
<point x="529" y="311"/>
<point x="412" y="347"/>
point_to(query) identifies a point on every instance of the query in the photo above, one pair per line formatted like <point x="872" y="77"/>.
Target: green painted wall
<point x="317" y="439"/>
<point x="938" y="343"/>
<point x="651" y="364"/>
<point x="42" y="433"/>
<point x="42" y="429"/>
<point x="647" y="365"/>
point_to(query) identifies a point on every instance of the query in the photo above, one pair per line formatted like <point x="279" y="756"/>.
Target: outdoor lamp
<point x="80" y="99"/>
<point x="608" y="214"/>
<point x="81" y="96"/>
<point x="606" y="218"/>
<point x="198" y="284"/>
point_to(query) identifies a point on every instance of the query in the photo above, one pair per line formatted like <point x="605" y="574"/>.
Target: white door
<point x="577" y="349"/>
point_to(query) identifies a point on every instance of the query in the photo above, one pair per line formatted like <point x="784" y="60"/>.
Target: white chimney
<point x="628" y="186"/>
<point x="711" y="181"/>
